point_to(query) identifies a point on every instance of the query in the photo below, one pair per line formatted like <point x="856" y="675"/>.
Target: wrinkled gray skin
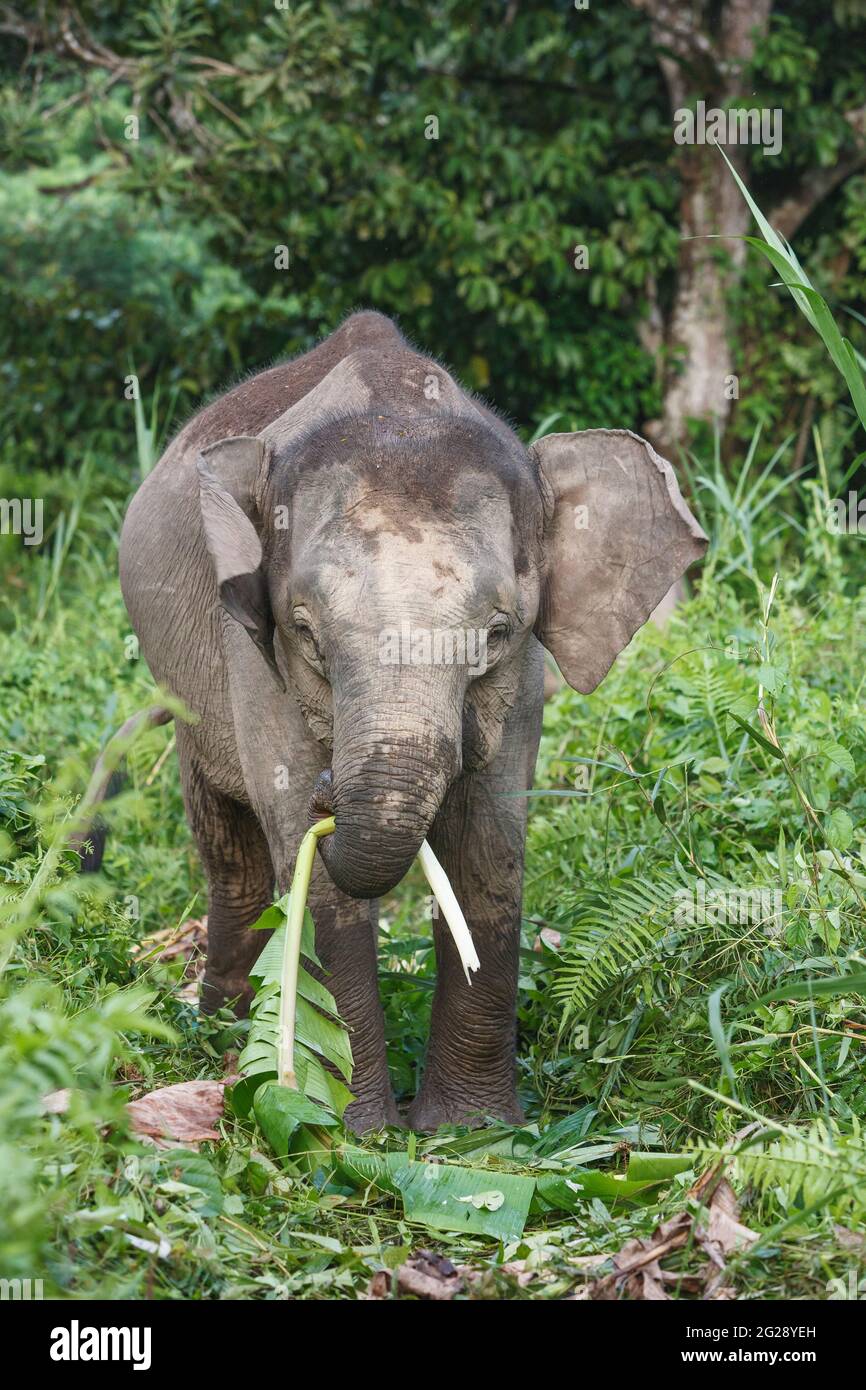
<point x="288" y="525"/>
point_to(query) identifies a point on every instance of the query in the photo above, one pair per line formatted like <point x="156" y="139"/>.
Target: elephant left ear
<point x="227" y="473"/>
<point x="620" y="535"/>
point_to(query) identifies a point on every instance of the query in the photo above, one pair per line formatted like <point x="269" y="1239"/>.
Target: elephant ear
<point x="227" y="474"/>
<point x="619" y="537"/>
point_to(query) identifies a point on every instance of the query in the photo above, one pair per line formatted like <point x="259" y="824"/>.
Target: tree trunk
<point x="702" y="62"/>
<point x="699" y="382"/>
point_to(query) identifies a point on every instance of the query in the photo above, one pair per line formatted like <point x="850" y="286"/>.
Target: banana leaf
<point x="281" y="1112"/>
<point x="656" y="1167"/>
<point x="566" y="1190"/>
<point x="448" y="1197"/>
<point x="319" y="1036"/>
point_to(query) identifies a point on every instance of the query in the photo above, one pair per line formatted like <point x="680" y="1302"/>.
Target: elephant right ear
<point x="227" y="474"/>
<point x="619" y="536"/>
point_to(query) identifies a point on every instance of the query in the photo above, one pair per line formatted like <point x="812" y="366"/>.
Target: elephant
<point x="348" y="567"/>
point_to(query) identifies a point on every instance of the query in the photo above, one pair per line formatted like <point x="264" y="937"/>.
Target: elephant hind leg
<point x="240" y="879"/>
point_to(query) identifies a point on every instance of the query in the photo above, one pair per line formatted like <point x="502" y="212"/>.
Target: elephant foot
<point x="364" y="1116"/>
<point x="428" y="1111"/>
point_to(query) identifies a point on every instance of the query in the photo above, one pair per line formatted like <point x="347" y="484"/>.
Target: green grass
<point x="638" y="1026"/>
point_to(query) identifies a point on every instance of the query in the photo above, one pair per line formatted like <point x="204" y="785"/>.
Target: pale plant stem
<point x="112" y="754"/>
<point x="160" y="762"/>
<point x="450" y="908"/>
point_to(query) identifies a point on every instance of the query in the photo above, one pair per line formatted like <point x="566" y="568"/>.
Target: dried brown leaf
<point x="716" y="1232"/>
<point x="379" y="1286"/>
<point x="187" y="1111"/>
<point x="429" y="1276"/>
<point x="849" y="1240"/>
<point x="637" y="1272"/>
<point x="425" y="1275"/>
<point x="187" y="940"/>
<point x="721" y="1231"/>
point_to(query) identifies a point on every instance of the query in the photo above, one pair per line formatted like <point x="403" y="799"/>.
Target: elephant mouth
<point x="387" y="781"/>
<point x="364" y="857"/>
<point x="322" y="799"/>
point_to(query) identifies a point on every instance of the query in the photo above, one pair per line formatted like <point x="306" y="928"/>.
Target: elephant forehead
<point x="437" y="582"/>
<point x="423" y="556"/>
<point x="369" y="506"/>
<point x="438" y="458"/>
<point x="402" y="577"/>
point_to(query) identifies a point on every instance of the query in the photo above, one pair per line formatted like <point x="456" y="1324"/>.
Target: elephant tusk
<point x="451" y="910"/>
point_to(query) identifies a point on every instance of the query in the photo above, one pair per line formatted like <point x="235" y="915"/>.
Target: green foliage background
<point x="157" y="257"/>
<point x="305" y="127"/>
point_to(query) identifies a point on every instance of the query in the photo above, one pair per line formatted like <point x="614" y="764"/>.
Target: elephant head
<point x="393" y="551"/>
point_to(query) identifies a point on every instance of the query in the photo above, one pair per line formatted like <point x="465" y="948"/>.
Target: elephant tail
<point x="89" y="830"/>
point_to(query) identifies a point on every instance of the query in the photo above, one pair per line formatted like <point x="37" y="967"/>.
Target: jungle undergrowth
<point x="677" y="872"/>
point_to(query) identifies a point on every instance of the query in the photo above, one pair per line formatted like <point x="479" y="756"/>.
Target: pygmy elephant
<point x="348" y="567"/>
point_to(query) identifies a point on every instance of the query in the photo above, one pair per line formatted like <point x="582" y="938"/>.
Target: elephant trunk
<point x="391" y="769"/>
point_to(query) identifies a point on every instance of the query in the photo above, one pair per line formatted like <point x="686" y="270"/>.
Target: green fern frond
<point x="611" y="935"/>
<point x="709" y="685"/>
<point x="819" y="1166"/>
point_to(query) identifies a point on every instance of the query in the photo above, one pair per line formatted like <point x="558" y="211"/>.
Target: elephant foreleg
<point x="470" y="1067"/>
<point x="347" y="947"/>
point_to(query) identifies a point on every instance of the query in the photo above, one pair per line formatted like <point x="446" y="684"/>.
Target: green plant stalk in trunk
<point x="292" y="951"/>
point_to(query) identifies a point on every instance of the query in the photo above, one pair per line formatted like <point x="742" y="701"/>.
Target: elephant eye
<point x="498" y="632"/>
<point x="306" y="635"/>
